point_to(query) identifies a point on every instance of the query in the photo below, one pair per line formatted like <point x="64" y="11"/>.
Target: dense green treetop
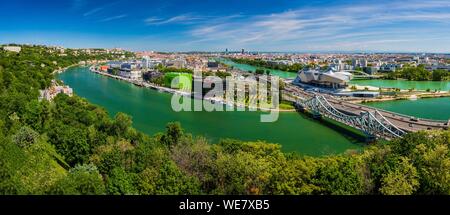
<point x="419" y="73"/>
<point x="265" y="64"/>
<point x="164" y="69"/>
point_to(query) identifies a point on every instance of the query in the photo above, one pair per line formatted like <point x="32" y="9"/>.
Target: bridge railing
<point x="372" y="124"/>
<point x="379" y="119"/>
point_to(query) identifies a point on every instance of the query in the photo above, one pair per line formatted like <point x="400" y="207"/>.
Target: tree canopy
<point x="265" y="64"/>
<point x="419" y="73"/>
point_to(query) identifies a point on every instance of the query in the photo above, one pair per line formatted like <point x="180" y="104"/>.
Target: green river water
<point x="151" y="111"/>
<point x="431" y="108"/>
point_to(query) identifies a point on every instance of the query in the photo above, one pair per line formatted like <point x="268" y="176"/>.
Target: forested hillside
<point x="69" y="146"/>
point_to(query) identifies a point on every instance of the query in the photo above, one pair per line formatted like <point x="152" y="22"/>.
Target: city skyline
<point x="280" y="26"/>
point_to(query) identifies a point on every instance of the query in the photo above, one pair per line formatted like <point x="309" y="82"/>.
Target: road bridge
<point x="372" y="121"/>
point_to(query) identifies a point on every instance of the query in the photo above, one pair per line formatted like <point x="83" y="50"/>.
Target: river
<point x="151" y="111"/>
<point x="430" y="108"/>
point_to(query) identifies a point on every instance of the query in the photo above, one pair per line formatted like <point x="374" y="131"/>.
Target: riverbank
<point x="140" y="83"/>
<point x="182" y="93"/>
<point x="429" y="108"/>
<point x="392" y="90"/>
<point x="413" y="96"/>
<point x="81" y="63"/>
<point x="403" y="85"/>
<point x="61" y="70"/>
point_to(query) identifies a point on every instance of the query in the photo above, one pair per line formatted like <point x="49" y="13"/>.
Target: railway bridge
<point x="375" y="123"/>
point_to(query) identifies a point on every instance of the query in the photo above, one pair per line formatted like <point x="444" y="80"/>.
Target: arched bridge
<point x="373" y="122"/>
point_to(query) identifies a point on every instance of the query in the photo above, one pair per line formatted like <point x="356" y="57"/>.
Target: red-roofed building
<point x="104" y="68"/>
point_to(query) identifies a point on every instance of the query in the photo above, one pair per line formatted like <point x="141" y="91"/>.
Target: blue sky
<point x="213" y="25"/>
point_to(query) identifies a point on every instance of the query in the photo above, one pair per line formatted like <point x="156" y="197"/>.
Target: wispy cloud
<point x="180" y="19"/>
<point x="357" y="25"/>
<point x="152" y="20"/>
<point x="113" y="18"/>
<point x="350" y="25"/>
<point x="185" y="19"/>
<point x="93" y="11"/>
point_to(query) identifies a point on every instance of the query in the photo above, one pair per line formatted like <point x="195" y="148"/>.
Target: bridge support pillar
<point x="370" y="138"/>
<point x="316" y="115"/>
<point x="299" y="107"/>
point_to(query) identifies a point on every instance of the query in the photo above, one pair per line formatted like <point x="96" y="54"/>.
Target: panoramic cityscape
<point x="225" y="98"/>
